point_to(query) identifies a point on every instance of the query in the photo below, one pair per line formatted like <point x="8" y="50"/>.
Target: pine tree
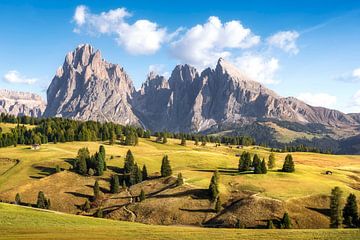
<point x="96" y="190"/>
<point x="289" y="165"/>
<point x="144" y="173"/>
<point x="142" y="195"/>
<point x="80" y="165"/>
<point x="165" y="167"/>
<point x="183" y="141"/>
<point x="99" y="164"/>
<point x="214" y="186"/>
<point x="256" y="161"/>
<point x="218" y="205"/>
<point x="244" y="162"/>
<point x="263" y="167"/>
<point x="114" y="184"/>
<point x="17" y="199"/>
<point x="41" y="201"/>
<point x="270" y="225"/>
<point x="335" y="208"/>
<point x="350" y="211"/>
<point x="102" y="154"/>
<point x="286" y="222"/>
<point x="57" y="169"/>
<point x="271" y="162"/>
<point x="129" y="162"/>
<point x="86" y="206"/>
<point x="99" y="213"/>
<point x="164" y="139"/>
<point x="179" y="180"/>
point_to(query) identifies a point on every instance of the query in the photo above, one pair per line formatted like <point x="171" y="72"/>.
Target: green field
<point x="25" y="223"/>
<point x="6" y="127"/>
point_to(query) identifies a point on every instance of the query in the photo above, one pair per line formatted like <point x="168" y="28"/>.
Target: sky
<point x="309" y="49"/>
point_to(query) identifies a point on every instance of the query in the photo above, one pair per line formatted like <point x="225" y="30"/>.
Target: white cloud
<point x="285" y="40"/>
<point x="202" y="45"/>
<point x="159" y="69"/>
<point x="14" y="76"/>
<point x="259" y="68"/>
<point x="350" y="77"/>
<point x="141" y="37"/>
<point x="356" y="73"/>
<point x="318" y="99"/>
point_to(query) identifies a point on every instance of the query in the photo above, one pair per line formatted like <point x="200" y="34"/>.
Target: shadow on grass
<point x="323" y="211"/>
<point x="201" y="210"/>
<point x="193" y="193"/>
<point x="81" y="195"/>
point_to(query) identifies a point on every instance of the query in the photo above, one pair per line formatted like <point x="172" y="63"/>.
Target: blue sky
<point x="307" y="49"/>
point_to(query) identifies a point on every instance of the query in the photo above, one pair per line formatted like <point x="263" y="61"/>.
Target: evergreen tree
<point x="271" y="162"/>
<point x="99" y="164"/>
<point x="41" y="201"/>
<point x="17" y="199"/>
<point x="114" y="184"/>
<point x="99" y="213"/>
<point x="196" y="142"/>
<point x="335" y="208"/>
<point x="86" y="206"/>
<point x="57" y="169"/>
<point x="164" y="139"/>
<point x="286" y="222"/>
<point x="96" y="190"/>
<point x="142" y="195"/>
<point x="270" y="225"/>
<point x="350" y="211"/>
<point x="179" y="180"/>
<point x="289" y="165"/>
<point x="165" y="167"/>
<point x="81" y="161"/>
<point x="263" y="167"/>
<point x="218" y="205"/>
<point x="214" y="186"/>
<point x="183" y="141"/>
<point x="244" y="162"/>
<point x="256" y="161"/>
<point x="144" y="173"/>
<point x="129" y="162"/>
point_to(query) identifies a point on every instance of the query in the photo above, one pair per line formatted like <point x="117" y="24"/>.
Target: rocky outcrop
<point x="21" y="103"/>
<point x="88" y="88"/>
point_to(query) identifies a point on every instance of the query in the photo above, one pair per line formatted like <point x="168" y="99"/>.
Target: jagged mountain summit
<point x="21" y="103"/>
<point x="87" y="87"/>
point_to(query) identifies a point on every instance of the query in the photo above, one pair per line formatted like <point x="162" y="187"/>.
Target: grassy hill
<point x="26" y="223"/>
<point x="252" y="199"/>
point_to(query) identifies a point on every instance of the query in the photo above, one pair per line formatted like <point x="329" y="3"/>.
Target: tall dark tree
<point x="263" y="167"/>
<point x="17" y="199"/>
<point x="214" y="186"/>
<point x="270" y="225"/>
<point x="164" y="139"/>
<point x="142" y="195"/>
<point x="129" y="162"/>
<point x="165" y="167"/>
<point x="96" y="189"/>
<point x="335" y="208"/>
<point x="350" y="212"/>
<point x="179" y="180"/>
<point x="286" y="222"/>
<point x="245" y="162"/>
<point x="86" y="207"/>
<point x="42" y="202"/>
<point x="218" y="205"/>
<point x="271" y="162"/>
<point x="114" y="184"/>
<point x="81" y="161"/>
<point x="256" y="161"/>
<point x="289" y="165"/>
<point x="144" y="173"/>
<point x="99" y="164"/>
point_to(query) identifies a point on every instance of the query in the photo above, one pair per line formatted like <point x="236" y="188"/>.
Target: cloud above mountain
<point x="14" y="76"/>
<point x="285" y="40"/>
<point x="318" y="99"/>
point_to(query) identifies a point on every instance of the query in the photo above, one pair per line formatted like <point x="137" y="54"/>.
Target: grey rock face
<point x="88" y="88"/>
<point x="21" y="103"/>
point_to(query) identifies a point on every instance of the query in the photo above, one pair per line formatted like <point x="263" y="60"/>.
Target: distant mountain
<point x="21" y="103"/>
<point x="87" y="87"/>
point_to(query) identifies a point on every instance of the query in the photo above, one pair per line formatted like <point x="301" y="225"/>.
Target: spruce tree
<point x="165" y="167"/>
<point x="86" y="206"/>
<point x="218" y="205"/>
<point x="244" y="162"/>
<point x="179" y="180"/>
<point x="57" y="169"/>
<point x="271" y="162"/>
<point x="17" y="199"/>
<point x="164" y="139"/>
<point x="41" y="201"/>
<point x="350" y="211"/>
<point x="102" y="154"/>
<point x="142" y="195"/>
<point x="144" y="173"/>
<point x="335" y="208"/>
<point x="99" y="213"/>
<point x="256" y="161"/>
<point x="129" y="162"/>
<point x="114" y="184"/>
<point x="289" y="165"/>
<point x="286" y="222"/>
<point x="214" y="186"/>
<point x="270" y="225"/>
<point x="99" y="164"/>
<point x="263" y="167"/>
<point x="96" y="190"/>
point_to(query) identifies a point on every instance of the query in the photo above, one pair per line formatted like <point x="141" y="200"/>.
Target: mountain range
<point x="87" y="87"/>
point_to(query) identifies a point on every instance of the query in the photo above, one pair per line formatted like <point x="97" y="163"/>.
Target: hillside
<point x="252" y="199"/>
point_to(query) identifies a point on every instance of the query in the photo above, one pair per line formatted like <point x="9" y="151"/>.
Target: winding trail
<point x="131" y="200"/>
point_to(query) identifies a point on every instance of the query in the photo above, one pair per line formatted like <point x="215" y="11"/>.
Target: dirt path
<point x="131" y="200"/>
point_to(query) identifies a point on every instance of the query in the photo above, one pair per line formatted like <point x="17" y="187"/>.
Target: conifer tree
<point x="99" y="164"/>
<point x="218" y="205"/>
<point x="289" y="165"/>
<point x="41" y="201"/>
<point x="263" y="167"/>
<point x="86" y="206"/>
<point x="256" y="161"/>
<point x="350" y="211"/>
<point x="183" y="141"/>
<point x="124" y="184"/>
<point x="57" y="169"/>
<point x="214" y="186"/>
<point x="271" y="162"/>
<point x="17" y="199"/>
<point x="196" y="142"/>
<point x="129" y="162"/>
<point x="244" y="162"/>
<point x="144" y="173"/>
<point x="286" y="222"/>
<point x="335" y="208"/>
<point x="114" y="184"/>
<point x="179" y="180"/>
<point x="164" y="139"/>
<point x="96" y="190"/>
<point x="142" y="195"/>
<point x="81" y="161"/>
<point x="99" y="213"/>
<point x="270" y="225"/>
<point x="165" y="167"/>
